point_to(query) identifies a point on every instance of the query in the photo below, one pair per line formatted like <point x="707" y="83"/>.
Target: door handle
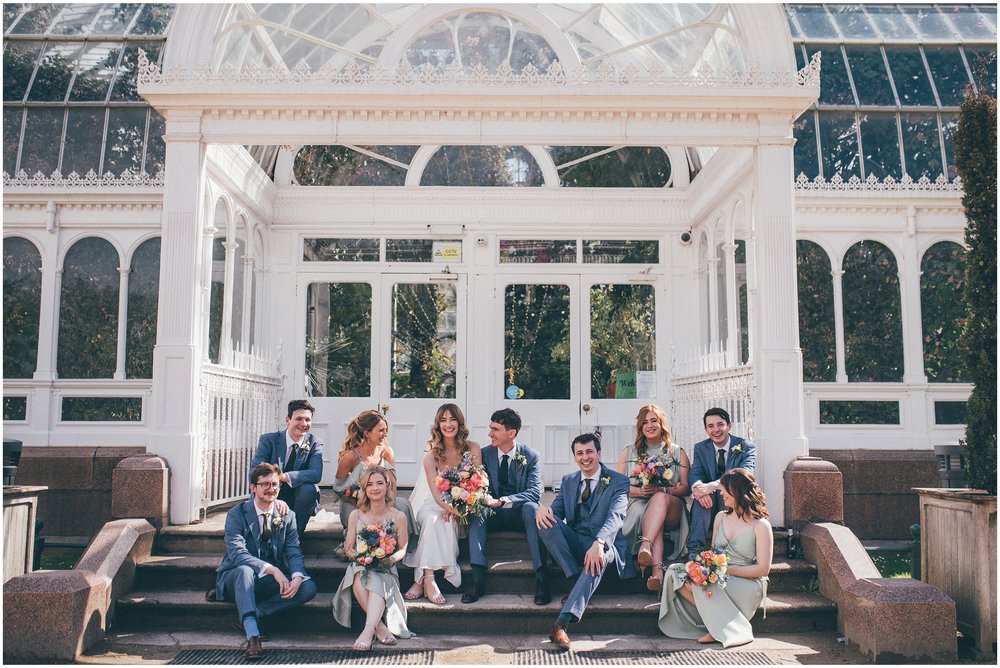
<point x="586" y="408"/>
<point x="385" y="408"/>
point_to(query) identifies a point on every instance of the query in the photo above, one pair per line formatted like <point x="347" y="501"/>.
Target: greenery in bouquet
<point x="464" y="488"/>
<point x="351" y="493"/>
<point x="375" y="544"/>
<point x="654" y="470"/>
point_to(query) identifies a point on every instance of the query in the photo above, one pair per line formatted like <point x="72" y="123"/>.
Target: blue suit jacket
<point x="307" y="471"/>
<point x="608" y="504"/>
<point x="705" y="459"/>
<point x="526" y="478"/>
<point x="242" y="538"/>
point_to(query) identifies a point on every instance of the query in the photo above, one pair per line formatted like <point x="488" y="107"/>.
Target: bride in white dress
<point x="437" y="545"/>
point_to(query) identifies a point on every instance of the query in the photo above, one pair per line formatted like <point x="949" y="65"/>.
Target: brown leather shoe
<point x="260" y="629"/>
<point x="559" y="636"/>
<point x="253" y="651"/>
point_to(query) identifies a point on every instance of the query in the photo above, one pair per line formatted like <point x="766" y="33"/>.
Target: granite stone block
<point x="106" y="460"/>
<point x="140" y="487"/>
<point x="813" y="492"/>
<point x="59" y="467"/>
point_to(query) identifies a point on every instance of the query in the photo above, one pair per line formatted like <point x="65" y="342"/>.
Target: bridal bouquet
<point x="464" y="487"/>
<point x="708" y="567"/>
<point x="375" y="544"/>
<point x="351" y="493"/>
<point x="653" y="470"/>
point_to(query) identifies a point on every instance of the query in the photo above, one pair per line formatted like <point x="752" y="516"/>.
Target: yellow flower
<point x="379" y="553"/>
<point x="668" y="474"/>
<point x="456" y="492"/>
<point x="362" y="547"/>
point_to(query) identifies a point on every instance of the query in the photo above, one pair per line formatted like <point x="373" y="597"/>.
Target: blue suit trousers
<point x="506" y="519"/>
<point x="258" y="596"/>
<point x="568" y="547"/>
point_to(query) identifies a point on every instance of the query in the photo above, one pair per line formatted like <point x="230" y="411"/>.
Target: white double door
<point x="405" y="343"/>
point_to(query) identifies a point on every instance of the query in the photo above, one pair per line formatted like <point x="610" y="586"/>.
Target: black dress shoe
<point x="210" y="594"/>
<point x="477" y="590"/>
<point x="543" y="595"/>
<point x="253" y="651"/>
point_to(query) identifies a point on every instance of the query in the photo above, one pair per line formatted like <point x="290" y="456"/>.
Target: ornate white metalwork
<point x="126" y="179"/>
<point x="873" y="184"/>
<point x="236" y="407"/>
<point x="691" y="396"/>
<point x="353" y="74"/>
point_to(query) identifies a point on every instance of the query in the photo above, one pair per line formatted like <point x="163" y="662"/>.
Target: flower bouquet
<point x="464" y="487"/>
<point x="653" y="470"/>
<point x="351" y="493"/>
<point x="708" y="567"/>
<point x="375" y="544"/>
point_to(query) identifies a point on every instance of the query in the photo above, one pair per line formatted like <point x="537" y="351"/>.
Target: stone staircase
<point x="169" y="593"/>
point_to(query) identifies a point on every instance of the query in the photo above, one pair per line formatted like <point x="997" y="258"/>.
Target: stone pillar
<point x="732" y="307"/>
<point x="177" y="357"/>
<point x="814" y="492"/>
<point x="48" y="316"/>
<point x="139" y="489"/>
<point x="779" y="421"/>
<point x="712" y="267"/>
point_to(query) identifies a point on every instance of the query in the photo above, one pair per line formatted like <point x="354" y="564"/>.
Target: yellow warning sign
<point x="447" y="251"/>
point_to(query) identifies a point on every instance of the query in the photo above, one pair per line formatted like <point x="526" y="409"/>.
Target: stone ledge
<point x="58" y="615"/>
<point x="886" y="620"/>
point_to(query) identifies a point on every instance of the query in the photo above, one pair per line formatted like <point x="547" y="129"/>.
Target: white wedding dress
<point x="437" y="543"/>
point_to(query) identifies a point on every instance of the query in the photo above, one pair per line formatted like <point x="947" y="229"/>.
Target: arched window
<point x="942" y="272"/>
<point x="482" y="166"/>
<point x="817" y="337"/>
<point x="88" y="310"/>
<point x="143" y="297"/>
<point x="22" y="292"/>
<point x="353" y="165"/>
<point x="483" y="39"/>
<point x="606" y="167"/>
<point x="873" y="323"/>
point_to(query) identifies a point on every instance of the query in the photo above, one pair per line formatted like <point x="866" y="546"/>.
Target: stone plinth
<point x="814" y="492"/>
<point x="886" y="620"/>
<point x="139" y="489"/>
<point x="57" y="615"/>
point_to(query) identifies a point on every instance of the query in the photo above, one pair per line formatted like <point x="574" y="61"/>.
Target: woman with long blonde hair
<point x="437" y="546"/>
<point x="654" y="509"/>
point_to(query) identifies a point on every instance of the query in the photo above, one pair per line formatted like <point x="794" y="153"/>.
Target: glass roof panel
<point x="890" y="22"/>
<point x="870" y="77"/>
<point x="814" y="21"/>
<point x="853" y="22"/>
<point x="930" y="24"/>
<point x="36" y="20"/>
<point x="95" y="72"/>
<point x="950" y="75"/>
<point x="910" y="75"/>
<point x="969" y="23"/>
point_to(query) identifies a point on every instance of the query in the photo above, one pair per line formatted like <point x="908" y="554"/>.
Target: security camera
<point x="686" y="237"/>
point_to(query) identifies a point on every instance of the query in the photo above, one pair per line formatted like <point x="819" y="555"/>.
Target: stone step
<point x="197" y="571"/>
<point x="607" y="614"/>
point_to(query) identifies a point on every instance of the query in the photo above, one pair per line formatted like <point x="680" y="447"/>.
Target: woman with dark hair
<point x="437" y="545"/>
<point x="717" y="613"/>
<point x="377" y="588"/>
<point x="365" y="446"/>
<point x="653" y="509"/>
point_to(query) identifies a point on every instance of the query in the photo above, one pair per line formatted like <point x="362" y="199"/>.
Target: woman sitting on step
<point x="654" y="509"/>
<point x="376" y="583"/>
<point x="716" y="613"/>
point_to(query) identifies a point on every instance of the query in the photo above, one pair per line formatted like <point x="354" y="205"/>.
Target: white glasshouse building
<point x="568" y="209"/>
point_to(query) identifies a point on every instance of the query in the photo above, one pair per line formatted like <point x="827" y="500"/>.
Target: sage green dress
<point x="727" y="613"/>
<point x="632" y="528"/>
<point x="340" y="486"/>
<point x="385" y="585"/>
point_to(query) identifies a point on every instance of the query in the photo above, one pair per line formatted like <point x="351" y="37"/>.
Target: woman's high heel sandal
<point x="645" y="556"/>
<point x="361" y="646"/>
<point x="655" y="582"/>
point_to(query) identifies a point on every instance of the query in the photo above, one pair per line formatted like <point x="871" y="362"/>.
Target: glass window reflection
<point x="536" y="342"/>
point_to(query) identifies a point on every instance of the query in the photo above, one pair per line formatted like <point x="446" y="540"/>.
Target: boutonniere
<point x="306" y="444"/>
<point x="736" y="449"/>
<point x="520" y="459"/>
<point x="605" y="481"/>
<point x="277" y="521"/>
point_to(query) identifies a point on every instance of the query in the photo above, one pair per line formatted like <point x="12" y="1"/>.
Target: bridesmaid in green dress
<point x="376" y="591"/>
<point x="722" y="614"/>
<point x="653" y="510"/>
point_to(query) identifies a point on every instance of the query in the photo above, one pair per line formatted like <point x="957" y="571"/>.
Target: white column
<point x="247" y="298"/>
<point x="48" y="321"/>
<point x="177" y="358"/>
<point x="732" y="307"/>
<point x="123" y="273"/>
<point x="778" y="364"/>
<point x="226" y="345"/>
<point x="208" y="238"/>
<point x="712" y="267"/>
<point x="909" y="302"/>
<point x="838" y="323"/>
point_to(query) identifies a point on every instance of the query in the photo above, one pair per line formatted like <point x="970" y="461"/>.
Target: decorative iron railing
<point x="691" y="395"/>
<point x="237" y="406"/>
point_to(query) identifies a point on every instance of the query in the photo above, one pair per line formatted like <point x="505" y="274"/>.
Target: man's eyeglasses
<point x="268" y="485"/>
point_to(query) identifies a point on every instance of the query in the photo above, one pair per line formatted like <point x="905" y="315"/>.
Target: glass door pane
<point x="536" y="342"/>
<point x="424" y="337"/>
<point x="622" y="341"/>
<point x="339" y="339"/>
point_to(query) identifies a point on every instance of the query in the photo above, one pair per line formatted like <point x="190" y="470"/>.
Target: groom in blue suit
<point x="300" y="455"/>
<point x="719" y="453"/>
<point x="515" y="489"/>
<point x="263" y="570"/>
<point x="583" y="529"/>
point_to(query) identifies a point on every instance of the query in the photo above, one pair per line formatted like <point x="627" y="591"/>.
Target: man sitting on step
<point x="515" y="489"/>
<point x="263" y="570"/>
<point x="583" y="530"/>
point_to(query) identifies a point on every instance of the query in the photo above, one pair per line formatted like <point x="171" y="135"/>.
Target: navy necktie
<point x="504" y="470"/>
<point x="721" y="464"/>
